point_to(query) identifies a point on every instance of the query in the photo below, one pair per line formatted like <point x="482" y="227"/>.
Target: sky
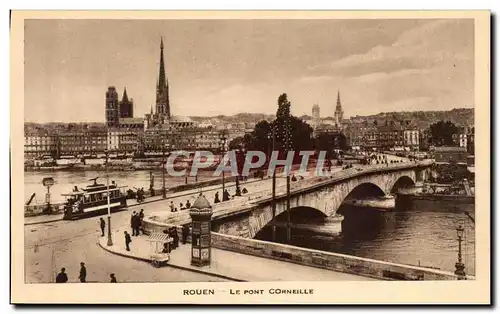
<point x="232" y="66"/>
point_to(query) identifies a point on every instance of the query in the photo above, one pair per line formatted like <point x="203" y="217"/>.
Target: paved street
<point x="226" y="264"/>
<point x="50" y="246"/>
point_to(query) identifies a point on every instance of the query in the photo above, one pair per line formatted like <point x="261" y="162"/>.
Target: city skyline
<point x="406" y="65"/>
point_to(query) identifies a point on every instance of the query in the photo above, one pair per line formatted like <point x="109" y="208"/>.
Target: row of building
<point x="127" y="142"/>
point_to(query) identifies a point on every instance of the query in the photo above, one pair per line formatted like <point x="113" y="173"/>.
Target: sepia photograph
<point x="224" y="157"/>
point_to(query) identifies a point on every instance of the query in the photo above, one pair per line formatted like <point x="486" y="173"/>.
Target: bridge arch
<point x="402" y="183"/>
<point x="325" y="197"/>
<point x="298" y="214"/>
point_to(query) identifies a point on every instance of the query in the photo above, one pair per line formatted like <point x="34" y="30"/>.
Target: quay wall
<point x="314" y="258"/>
<point x="327" y="260"/>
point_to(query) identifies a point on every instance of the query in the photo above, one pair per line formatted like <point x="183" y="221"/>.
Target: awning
<point x="159" y="237"/>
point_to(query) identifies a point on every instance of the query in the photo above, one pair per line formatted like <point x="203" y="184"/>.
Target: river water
<point x="428" y="238"/>
<point x="66" y="180"/>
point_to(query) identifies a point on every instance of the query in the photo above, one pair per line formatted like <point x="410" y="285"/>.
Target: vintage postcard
<point x="250" y="157"/>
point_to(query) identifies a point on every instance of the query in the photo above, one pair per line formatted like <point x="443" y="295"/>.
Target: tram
<point x="92" y="200"/>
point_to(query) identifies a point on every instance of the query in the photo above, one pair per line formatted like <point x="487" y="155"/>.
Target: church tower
<point x="339" y="113"/>
<point x="162" y="97"/>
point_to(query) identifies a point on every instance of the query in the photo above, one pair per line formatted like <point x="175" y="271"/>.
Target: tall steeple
<point x="125" y="97"/>
<point x="162" y="83"/>
<point x="339" y="113"/>
<point x="162" y="97"/>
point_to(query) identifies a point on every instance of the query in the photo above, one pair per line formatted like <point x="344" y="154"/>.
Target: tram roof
<point x="93" y="192"/>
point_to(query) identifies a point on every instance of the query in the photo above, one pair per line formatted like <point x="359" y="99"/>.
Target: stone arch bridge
<point x="324" y="194"/>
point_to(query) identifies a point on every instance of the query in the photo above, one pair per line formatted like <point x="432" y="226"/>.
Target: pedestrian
<point x="103" y="225"/>
<point x="113" y="278"/>
<point x="225" y="196"/>
<point x="216" y="198"/>
<point x="141" y="223"/>
<point x="83" y="272"/>
<point x="181" y="206"/>
<point x="132" y="222"/>
<point x="128" y="239"/>
<point x="137" y="225"/>
<point x="62" y="277"/>
<point x="172" y="206"/>
<point x="185" y="233"/>
<point x="188" y="204"/>
<point x="175" y="235"/>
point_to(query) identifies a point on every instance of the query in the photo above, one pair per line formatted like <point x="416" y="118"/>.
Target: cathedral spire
<point x="338" y="98"/>
<point x="125" y="97"/>
<point x="161" y="77"/>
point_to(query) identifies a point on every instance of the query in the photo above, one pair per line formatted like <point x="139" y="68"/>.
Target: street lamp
<point x="223" y="139"/>
<point x="164" y="191"/>
<point x="110" y="240"/>
<point x="459" y="266"/>
<point x="272" y="136"/>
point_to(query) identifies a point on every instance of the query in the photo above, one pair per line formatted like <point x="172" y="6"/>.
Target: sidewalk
<point x="226" y="264"/>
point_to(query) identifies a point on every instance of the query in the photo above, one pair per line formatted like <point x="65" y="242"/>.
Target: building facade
<point x="411" y="139"/>
<point x="450" y="154"/>
<point x="40" y="144"/>
<point x="112" y="107"/>
<point x="126" y="106"/>
<point x="316" y="117"/>
<point x="86" y="143"/>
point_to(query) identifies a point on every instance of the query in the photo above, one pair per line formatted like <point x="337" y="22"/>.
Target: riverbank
<point x="436" y="202"/>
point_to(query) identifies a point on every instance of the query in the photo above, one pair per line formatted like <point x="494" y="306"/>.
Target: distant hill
<point x="423" y="119"/>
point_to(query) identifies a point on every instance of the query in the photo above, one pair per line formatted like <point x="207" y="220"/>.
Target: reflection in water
<point x="428" y="239"/>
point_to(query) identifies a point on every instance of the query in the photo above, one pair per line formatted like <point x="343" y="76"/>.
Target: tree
<point x="236" y="143"/>
<point x="284" y="126"/>
<point x="441" y="133"/>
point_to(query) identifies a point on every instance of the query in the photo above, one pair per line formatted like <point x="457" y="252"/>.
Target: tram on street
<point x="92" y="200"/>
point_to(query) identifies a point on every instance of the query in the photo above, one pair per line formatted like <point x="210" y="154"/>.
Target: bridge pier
<point x="403" y="195"/>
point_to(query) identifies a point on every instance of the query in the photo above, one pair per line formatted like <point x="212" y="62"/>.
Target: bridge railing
<point x="334" y="176"/>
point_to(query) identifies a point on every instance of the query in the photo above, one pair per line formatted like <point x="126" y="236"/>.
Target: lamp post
<point x="223" y="139"/>
<point x="272" y="136"/>
<point x="163" y="164"/>
<point x="459" y="266"/>
<point x="110" y="240"/>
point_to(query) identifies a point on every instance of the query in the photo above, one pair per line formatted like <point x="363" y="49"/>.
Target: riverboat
<point x="92" y="200"/>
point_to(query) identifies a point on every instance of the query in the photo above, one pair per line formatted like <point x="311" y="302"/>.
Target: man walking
<point x="132" y="222"/>
<point x="172" y="206"/>
<point x="128" y="239"/>
<point x="83" y="272"/>
<point x="136" y="225"/>
<point x="103" y="225"/>
<point x="141" y="225"/>
<point x="62" y="277"/>
<point x="113" y="278"/>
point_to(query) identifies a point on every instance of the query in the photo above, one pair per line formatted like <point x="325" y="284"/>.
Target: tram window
<point x="92" y="197"/>
<point x="86" y="199"/>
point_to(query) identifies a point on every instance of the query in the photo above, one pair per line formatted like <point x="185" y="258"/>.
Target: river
<point x="428" y="239"/>
<point x="66" y="180"/>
